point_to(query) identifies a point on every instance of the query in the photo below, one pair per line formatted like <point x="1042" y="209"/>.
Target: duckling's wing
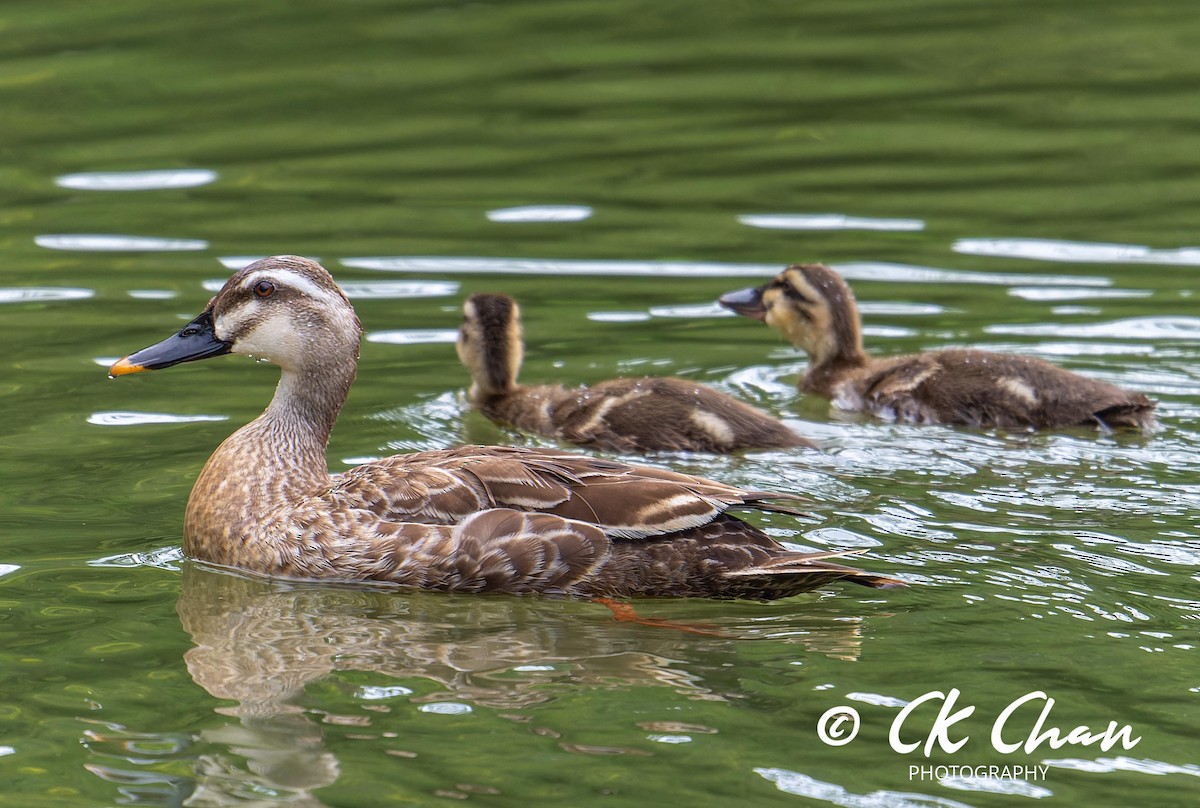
<point x="624" y="500"/>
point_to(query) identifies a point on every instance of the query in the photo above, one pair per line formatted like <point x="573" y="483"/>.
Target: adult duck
<point x="470" y="519"/>
<point x="643" y="414"/>
<point x="815" y="310"/>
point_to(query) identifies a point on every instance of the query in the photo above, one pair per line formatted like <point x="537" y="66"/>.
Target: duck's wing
<point x="624" y="500"/>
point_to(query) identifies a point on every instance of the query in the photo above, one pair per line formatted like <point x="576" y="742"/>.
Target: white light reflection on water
<point x="875" y="271"/>
<point x="1076" y="251"/>
<point x="39" y="294"/>
<point x="120" y="418"/>
<point x="1122" y="763"/>
<point x="106" y="242"/>
<point x="1174" y="328"/>
<point x="378" y="290"/>
<point x="910" y="273"/>
<point x="414" y="336"/>
<point x="1063" y="293"/>
<point x="137" y="180"/>
<point x="803" y="785"/>
<point x="618" y="316"/>
<point x="826" y="221"/>
<point x="541" y="213"/>
<point x="996" y="785"/>
<point x="236" y="262"/>
<point x="152" y="294"/>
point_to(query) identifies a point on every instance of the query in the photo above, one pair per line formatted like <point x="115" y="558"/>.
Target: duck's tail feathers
<point x="806" y="571"/>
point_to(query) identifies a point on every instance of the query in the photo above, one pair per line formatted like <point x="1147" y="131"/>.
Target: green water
<point x="1004" y="144"/>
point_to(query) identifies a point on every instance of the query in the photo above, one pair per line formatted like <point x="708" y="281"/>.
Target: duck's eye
<point x="264" y="288"/>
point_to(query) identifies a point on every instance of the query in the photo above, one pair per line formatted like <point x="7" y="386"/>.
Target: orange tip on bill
<point x="123" y="367"/>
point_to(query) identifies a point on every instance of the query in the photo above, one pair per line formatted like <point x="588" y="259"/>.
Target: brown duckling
<point x="470" y="519"/>
<point x="815" y="310"/>
<point x="653" y="413"/>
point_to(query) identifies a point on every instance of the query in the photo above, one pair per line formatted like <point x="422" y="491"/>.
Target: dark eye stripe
<point x="792" y="293"/>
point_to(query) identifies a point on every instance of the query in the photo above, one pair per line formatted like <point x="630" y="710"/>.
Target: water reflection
<point x="122" y="418"/>
<point x="1041" y="294"/>
<point x="793" y="782"/>
<point x="414" y="336"/>
<point x="137" y="180"/>
<point x="27" y="294"/>
<point x="258" y="644"/>
<point x="1076" y="251"/>
<point x="826" y="221"/>
<point x="877" y="271"/>
<point x="104" y="242"/>
<point x="541" y="213"/>
<point x="1160" y="328"/>
<point x="377" y="290"/>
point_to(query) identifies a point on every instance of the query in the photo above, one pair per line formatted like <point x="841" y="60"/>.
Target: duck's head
<point x="286" y="310"/>
<point x="810" y="305"/>
<point x="491" y="344"/>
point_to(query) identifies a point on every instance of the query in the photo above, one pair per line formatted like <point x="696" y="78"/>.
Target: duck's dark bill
<point x="746" y="302"/>
<point x="196" y="340"/>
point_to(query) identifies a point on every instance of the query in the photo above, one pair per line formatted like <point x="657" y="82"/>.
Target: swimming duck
<point x="622" y="415"/>
<point x="815" y="310"/>
<point x="469" y="519"/>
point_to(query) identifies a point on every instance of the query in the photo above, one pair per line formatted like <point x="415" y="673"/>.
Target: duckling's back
<point x="984" y="389"/>
<point x="666" y="414"/>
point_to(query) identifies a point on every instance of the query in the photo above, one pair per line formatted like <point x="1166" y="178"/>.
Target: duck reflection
<point x="259" y="643"/>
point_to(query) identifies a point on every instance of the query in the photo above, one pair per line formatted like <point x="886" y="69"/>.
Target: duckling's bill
<point x="746" y="302"/>
<point x="196" y="340"/>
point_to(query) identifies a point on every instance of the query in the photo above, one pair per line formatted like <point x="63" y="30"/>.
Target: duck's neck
<point x="274" y="461"/>
<point x="834" y="358"/>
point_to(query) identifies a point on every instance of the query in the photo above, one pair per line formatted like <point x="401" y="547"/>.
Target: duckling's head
<point x="286" y="310"/>
<point x="809" y="304"/>
<point x="491" y="343"/>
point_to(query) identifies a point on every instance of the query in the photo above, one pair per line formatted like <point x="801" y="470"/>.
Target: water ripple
<point x="167" y="558"/>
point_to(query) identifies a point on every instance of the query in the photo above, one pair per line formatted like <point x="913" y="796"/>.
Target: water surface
<point x="1015" y="176"/>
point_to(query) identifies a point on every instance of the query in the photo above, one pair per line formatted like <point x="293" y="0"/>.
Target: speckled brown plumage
<point x="471" y="519"/>
<point x="622" y="415"/>
<point x="814" y="308"/>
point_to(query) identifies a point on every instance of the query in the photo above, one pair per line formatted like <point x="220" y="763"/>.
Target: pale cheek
<point x="279" y="346"/>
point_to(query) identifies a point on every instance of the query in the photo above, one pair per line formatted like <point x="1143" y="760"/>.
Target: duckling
<point x="643" y="414"/>
<point x="815" y="310"/>
<point x="467" y="519"/>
